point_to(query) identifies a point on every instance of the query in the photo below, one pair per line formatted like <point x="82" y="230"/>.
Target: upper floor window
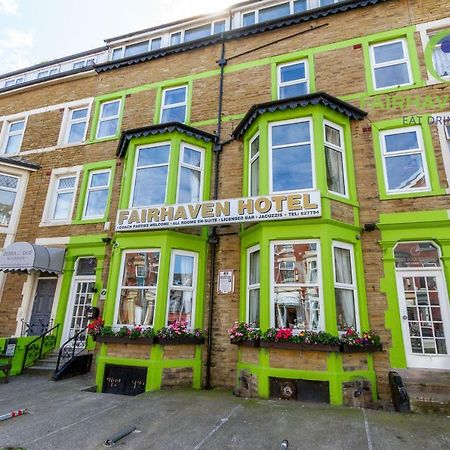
<point x="14" y="81"/>
<point x="292" y="79"/>
<point x="190" y="174"/>
<point x="335" y="159"/>
<point x="295" y="291"/>
<point x="404" y="162"/>
<point x="274" y="12"/>
<point x="83" y="63"/>
<point x="182" y="288"/>
<point x="137" y="48"/>
<point x="390" y="64"/>
<point x="291" y="156"/>
<point x="175" y="38"/>
<point x="47" y="72"/>
<point x="9" y="186"/>
<point x="97" y="194"/>
<point x="441" y="58"/>
<point x="174" y="104"/>
<point x="253" y="285"/>
<point x="108" y="121"/>
<point x="76" y="125"/>
<point x="254" y="166"/>
<point x="13" y="135"/>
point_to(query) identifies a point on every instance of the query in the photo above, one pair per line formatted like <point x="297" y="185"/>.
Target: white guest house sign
<point x="294" y="205"/>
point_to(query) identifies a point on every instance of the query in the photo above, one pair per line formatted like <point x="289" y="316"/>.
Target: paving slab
<point x="63" y="416"/>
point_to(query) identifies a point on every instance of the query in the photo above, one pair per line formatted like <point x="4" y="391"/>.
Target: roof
<point x="239" y="32"/>
<point x="154" y="130"/>
<point x="17" y="161"/>
<point x="298" y="102"/>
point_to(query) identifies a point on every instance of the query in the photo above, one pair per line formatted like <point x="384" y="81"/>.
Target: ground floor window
<point x="295" y="279"/>
<point x="253" y="285"/>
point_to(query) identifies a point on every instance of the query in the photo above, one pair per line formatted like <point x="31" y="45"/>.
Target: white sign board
<point x="226" y="282"/>
<point x="293" y="205"/>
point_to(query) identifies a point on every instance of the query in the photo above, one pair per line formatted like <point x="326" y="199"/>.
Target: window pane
<point x="63" y="206"/>
<point x="100" y="179"/>
<point x="108" y="128"/>
<point x="86" y="266"/>
<point x="189" y="188"/>
<point x="16" y="126"/>
<point x="253" y="307"/>
<point x="177" y="114"/>
<point x="150" y="186"/>
<point x="141" y="269"/>
<point x="7" y="199"/>
<point x="153" y="155"/>
<point x="192" y="157"/>
<point x="405" y="172"/>
<point x="110" y="109"/>
<point x="416" y="254"/>
<point x="291" y="133"/>
<point x="345" y="309"/>
<point x="254" y="147"/>
<point x="175" y="39"/>
<point x="292" y="168"/>
<point x="274" y="12"/>
<point x="332" y="135"/>
<point x="392" y="75"/>
<point x="293" y="90"/>
<point x="303" y="263"/>
<point x="79" y="65"/>
<point x="197" y="33"/>
<point x="136" y="306"/>
<point x="174" y="96"/>
<point x="117" y="53"/>
<point x="253" y="270"/>
<point x="401" y="141"/>
<point x="219" y="27"/>
<point x="76" y="133"/>
<point x="96" y="203"/>
<point x="183" y="270"/>
<point x="180" y="306"/>
<point x="136" y="49"/>
<point x="254" y="178"/>
<point x="335" y="171"/>
<point x="441" y="62"/>
<point x="8" y="182"/>
<point x="343" y="265"/>
<point x="79" y="114"/>
<point x="292" y="72"/>
<point x="156" y="44"/>
<point x="66" y="183"/>
<point x="388" y="52"/>
<point x="248" y="19"/>
<point x="13" y="144"/>
<point x="300" y="6"/>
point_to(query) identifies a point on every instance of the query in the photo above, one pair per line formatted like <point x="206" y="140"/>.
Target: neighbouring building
<point x="284" y="163"/>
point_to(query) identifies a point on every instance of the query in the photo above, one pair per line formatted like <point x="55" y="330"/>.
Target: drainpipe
<point x="213" y="237"/>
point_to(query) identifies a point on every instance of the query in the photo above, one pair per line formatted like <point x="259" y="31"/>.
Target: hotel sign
<point x="294" y="205"/>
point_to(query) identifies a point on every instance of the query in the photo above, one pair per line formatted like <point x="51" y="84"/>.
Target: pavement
<point x="64" y="416"/>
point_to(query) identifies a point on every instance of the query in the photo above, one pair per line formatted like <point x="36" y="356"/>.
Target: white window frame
<point x="310" y="5"/>
<point x="250" y="287"/>
<point x="47" y="72"/>
<point x="321" y="326"/>
<point x="420" y="151"/>
<point x="193" y="288"/>
<point x="50" y="201"/>
<point x="338" y="149"/>
<point x="90" y="189"/>
<point x="344" y="286"/>
<point x="313" y="161"/>
<point x="14" y="81"/>
<point x="67" y="123"/>
<point x="251" y="160"/>
<point x="154" y="39"/>
<point x="281" y="84"/>
<point x="101" y="119"/>
<point x="120" y="286"/>
<point x="5" y="134"/>
<point x="200" y="169"/>
<point x="85" y="62"/>
<point x="136" y="157"/>
<point x="175" y="105"/>
<point x="406" y="59"/>
<point x="181" y="32"/>
<point x="16" y="191"/>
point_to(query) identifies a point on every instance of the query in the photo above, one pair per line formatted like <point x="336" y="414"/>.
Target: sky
<point x="35" y="31"/>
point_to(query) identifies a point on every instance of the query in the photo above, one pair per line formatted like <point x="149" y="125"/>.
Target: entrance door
<point x="425" y="318"/>
<point x="81" y="295"/>
<point x="42" y="306"/>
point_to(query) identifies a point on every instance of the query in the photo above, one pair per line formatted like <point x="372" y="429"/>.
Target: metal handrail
<point x="42" y="336"/>
<point x="62" y="349"/>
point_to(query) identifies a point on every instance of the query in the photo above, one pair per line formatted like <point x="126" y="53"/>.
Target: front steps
<point x="45" y="366"/>
<point x="428" y="389"/>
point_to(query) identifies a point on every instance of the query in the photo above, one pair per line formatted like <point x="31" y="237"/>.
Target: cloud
<point x="9" y="7"/>
<point x="15" y="49"/>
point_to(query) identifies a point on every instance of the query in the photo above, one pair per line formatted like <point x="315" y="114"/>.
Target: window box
<point x="301" y="346"/>
<point x="124" y="340"/>
<point x="246" y="342"/>
<point x="345" y="348"/>
<point x="182" y="340"/>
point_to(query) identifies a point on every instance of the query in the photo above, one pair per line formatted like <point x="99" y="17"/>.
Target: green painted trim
<point x="97" y="104"/>
<point x="214" y="121"/>
<point x="435" y="188"/>
<point x="87" y="169"/>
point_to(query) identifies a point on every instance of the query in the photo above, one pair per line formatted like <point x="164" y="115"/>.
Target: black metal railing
<point x="43" y="344"/>
<point x="71" y="348"/>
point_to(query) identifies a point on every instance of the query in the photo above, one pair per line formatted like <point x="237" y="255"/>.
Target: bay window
<point x="253" y="286"/>
<point x="291" y="155"/>
<point x="137" y="289"/>
<point x="345" y="286"/>
<point x="182" y="288"/>
<point x="295" y="291"/>
<point x="404" y="162"/>
<point x="335" y="159"/>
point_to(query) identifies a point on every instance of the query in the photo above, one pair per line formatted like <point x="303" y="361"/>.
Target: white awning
<point x="26" y="257"/>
